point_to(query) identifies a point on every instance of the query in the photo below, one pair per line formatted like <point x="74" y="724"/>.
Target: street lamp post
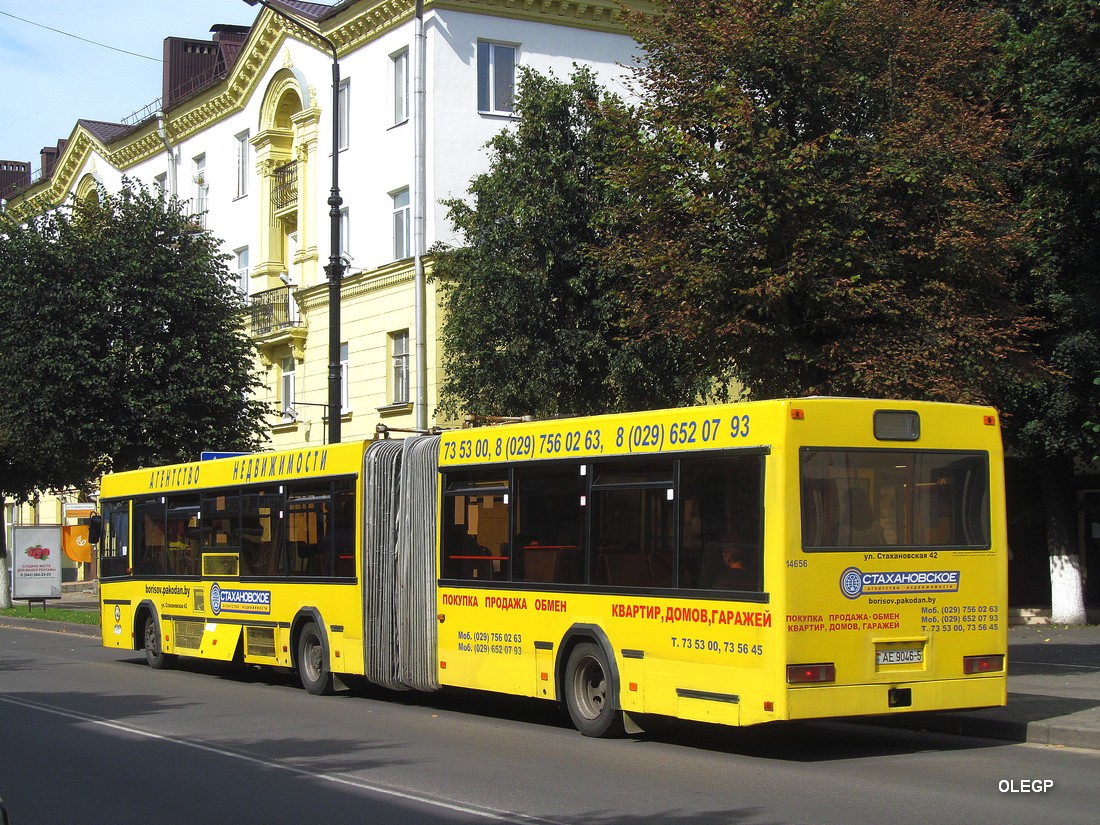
<point x="335" y="268"/>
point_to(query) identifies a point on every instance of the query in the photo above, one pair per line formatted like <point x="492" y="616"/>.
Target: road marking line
<point x="338" y="779"/>
<point x="1051" y="664"/>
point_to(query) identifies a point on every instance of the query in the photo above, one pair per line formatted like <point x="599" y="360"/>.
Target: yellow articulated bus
<point x="737" y="564"/>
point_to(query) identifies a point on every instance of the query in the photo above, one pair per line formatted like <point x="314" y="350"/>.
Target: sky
<point x="49" y="80"/>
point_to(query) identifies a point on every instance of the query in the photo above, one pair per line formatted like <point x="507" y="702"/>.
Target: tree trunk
<point x="5" y="578"/>
<point x="1067" y="582"/>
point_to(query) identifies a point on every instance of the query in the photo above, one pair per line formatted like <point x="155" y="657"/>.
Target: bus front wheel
<point x="312" y="668"/>
<point x="587" y="693"/>
<point x="154" y="651"/>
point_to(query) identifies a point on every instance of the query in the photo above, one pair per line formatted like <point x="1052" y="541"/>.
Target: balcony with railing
<point x="274" y="320"/>
<point x="272" y="310"/>
<point x="284" y="188"/>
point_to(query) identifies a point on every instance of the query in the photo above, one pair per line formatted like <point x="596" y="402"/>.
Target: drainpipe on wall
<point x="162" y="133"/>
<point x="419" y="205"/>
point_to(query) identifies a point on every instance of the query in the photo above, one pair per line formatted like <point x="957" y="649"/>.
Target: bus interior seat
<point x="540" y="564"/>
<point x="624" y="570"/>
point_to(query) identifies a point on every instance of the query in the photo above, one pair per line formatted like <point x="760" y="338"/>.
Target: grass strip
<point x="53" y="614"/>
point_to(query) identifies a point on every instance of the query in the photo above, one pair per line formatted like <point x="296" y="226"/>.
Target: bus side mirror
<point x="95" y="529"/>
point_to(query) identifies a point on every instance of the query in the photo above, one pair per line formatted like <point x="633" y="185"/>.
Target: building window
<point x="242" y="270"/>
<point x="496" y="78"/>
<point x="345" y="405"/>
<point x="242" y="164"/>
<point x="399" y="348"/>
<point x="287" y="390"/>
<point x="199" y="204"/>
<point x="402" y="240"/>
<point x="344" y="109"/>
<point x="400" y="86"/>
<point x="161" y="184"/>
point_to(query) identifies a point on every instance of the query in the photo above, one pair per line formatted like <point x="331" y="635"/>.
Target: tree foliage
<point x="531" y="324"/>
<point x="123" y="344"/>
<point x="1050" y="81"/>
<point x="816" y="198"/>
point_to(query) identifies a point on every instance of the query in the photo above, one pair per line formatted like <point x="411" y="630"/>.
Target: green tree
<point x="531" y="325"/>
<point x="1051" y="84"/>
<point x="816" y="201"/>
<point x="123" y="344"/>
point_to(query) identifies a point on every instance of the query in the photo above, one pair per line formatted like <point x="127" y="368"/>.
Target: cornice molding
<point x="599" y="15"/>
<point x="354" y="286"/>
<point x="54" y="192"/>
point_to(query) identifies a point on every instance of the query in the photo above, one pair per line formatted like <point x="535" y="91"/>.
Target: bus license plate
<point x="899" y="656"/>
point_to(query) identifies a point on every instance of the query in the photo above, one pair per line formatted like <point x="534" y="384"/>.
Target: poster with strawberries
<point x="36" y="562"/>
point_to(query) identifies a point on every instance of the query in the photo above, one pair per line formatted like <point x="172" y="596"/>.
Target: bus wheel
<point x="154" y="653"/>
<point x="586" y="693"/>
<point x="312" y="670"/>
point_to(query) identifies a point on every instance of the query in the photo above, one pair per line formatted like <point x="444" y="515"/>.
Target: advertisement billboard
<point x="36" y="562"/>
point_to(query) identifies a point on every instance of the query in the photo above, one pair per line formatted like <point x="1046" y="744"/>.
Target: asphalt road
<point x="90" y="735"/>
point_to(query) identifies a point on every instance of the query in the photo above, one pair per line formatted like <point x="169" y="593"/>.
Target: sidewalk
<point x="1053" y="683"/>
<point x="1053" y="692"/>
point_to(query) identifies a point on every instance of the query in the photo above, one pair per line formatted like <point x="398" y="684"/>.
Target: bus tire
<point x="154" y="651"/>
<point x="587" y="693"/>
<point x="313" y="670"/>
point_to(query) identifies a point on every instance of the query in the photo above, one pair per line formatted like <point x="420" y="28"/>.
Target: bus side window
<point x="261" y="533"/>
<point x="723" y="514"/>
<point x="633" y="523"/>
<point x="309" y="531"/>
<point x="475" y="528"/>
<point x="149" y="538"/>
<point x="548" y="545"/>
<point x="114" y="557"/>
<point x="343" y="531"/>
<point x="183" y="535"/>
<point x="221" y="523"/>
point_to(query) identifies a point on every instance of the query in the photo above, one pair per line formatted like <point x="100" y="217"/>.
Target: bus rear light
<point x="811" y="674"/>
<point x="989" y="420"/>
<point x="983" y="664"/>
<point x="797" y="414"/>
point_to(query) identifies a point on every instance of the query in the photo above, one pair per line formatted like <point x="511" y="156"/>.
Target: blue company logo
<point x="855" y="583"/>
<point x="851" y="584"/>
<point x="239" y="601"/>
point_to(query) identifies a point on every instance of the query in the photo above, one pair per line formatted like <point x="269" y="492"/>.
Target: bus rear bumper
<point x="822" y="701"/>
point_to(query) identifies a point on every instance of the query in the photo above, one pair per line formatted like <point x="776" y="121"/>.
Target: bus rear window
<point x="894" y="498"/>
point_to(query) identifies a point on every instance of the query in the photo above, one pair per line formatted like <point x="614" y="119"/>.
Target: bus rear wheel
<point x="588" y="694"/>
<point x="312" y="668"/>
<point x="154" y="652"/>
